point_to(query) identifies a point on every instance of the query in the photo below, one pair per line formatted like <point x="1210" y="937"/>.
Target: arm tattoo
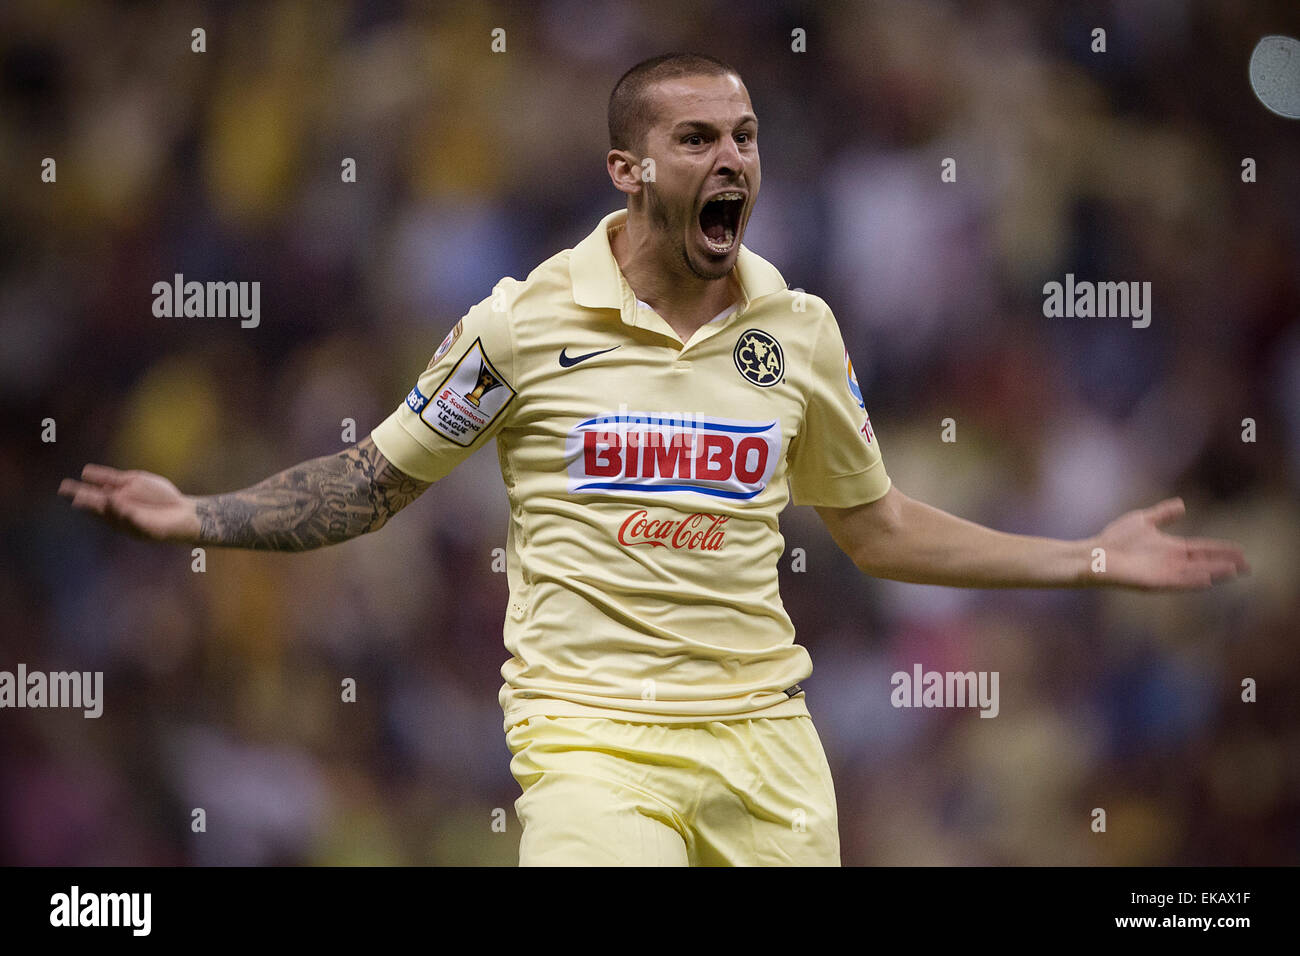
<point x="315" y="503"/>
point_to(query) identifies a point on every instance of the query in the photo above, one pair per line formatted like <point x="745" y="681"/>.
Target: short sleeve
<point x="459" y="402"/>
<point x="835" y="459"/>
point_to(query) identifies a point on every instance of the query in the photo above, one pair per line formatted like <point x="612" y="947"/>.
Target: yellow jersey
<point x="645" y="476"/>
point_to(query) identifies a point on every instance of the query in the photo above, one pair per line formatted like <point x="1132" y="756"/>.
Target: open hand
<point x="139" y="503"/>
<point x="1139" y="555"/>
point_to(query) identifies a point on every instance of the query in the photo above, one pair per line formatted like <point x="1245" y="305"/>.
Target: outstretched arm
<point x="903" y="539"/>
<point x="323" y="501"/>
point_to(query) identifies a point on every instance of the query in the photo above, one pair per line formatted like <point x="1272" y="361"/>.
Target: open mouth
<point x="720" y="220"/>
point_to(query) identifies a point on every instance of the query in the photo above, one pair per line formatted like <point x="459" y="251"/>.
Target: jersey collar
<point x="598" y="283"/>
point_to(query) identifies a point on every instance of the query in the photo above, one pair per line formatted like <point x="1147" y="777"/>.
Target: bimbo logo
<point x="663" y="452"/>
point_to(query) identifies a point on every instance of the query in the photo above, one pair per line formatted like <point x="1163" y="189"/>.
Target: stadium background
<point x="222" y="688"/>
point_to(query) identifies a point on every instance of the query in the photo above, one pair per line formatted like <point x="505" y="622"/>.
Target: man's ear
<point x="624" y="171"/>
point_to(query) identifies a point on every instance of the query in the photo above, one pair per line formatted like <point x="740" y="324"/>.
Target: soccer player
<point x="657" y="395"/>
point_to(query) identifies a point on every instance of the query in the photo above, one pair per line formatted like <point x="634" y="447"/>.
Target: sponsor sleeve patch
<point x="447" y="343"/>
<point x="854" y="388"/>
<point x="417" y="399"/>
<point x="467" y="401"/>
<point x="856" y="391"/>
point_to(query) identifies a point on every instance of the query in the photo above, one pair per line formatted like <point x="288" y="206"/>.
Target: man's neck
<point x="685" y="301"/>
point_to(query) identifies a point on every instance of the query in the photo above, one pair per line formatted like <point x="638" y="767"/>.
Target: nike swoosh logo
<point x="568" y="362"/>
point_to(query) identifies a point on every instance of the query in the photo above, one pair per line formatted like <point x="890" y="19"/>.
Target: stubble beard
<point x="661" y="219"/>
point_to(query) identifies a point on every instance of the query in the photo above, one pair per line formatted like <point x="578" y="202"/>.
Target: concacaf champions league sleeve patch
<point x="469" y="399"/>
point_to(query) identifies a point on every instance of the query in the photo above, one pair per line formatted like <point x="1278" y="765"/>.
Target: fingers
<point x="96" y="489"/>
<point x="97" y="477"/>
<point x="103" y="475"/>
<point x="1216" y="572"/>
<point x="1212" y="549"/>
<point x="1210" y="560"/>
<point x="84" y="496"/>
<point x="1220" y="570"/>
<point x="101" y="504"/>
<point x="1204" y="574"/>
<point x="1165" y="511"/>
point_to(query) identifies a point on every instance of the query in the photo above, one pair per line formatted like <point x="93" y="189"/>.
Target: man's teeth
<point x="729" y="234"/>
<point x="725" y="245"/>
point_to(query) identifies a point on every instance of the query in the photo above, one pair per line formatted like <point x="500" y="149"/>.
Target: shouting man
<point x="657" y="395"/>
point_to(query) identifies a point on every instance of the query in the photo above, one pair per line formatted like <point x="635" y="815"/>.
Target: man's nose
<point x="729" y="157"/>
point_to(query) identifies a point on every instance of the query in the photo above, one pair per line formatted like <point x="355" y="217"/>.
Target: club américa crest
<point x="759" y="357"/>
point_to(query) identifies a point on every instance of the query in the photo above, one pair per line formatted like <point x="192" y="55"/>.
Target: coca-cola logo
<point x="700" y="531"/>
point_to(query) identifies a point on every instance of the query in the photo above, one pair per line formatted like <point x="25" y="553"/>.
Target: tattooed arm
<point x="314" y="503"/>
<point x="323" y="501"/>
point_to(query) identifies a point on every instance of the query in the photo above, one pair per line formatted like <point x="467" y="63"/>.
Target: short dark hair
<point x="630" y="111"/>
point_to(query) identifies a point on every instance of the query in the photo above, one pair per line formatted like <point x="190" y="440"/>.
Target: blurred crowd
<point x="222" y="688"/>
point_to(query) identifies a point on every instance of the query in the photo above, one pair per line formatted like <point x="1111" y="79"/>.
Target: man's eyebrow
<point x="748" y="118"/>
